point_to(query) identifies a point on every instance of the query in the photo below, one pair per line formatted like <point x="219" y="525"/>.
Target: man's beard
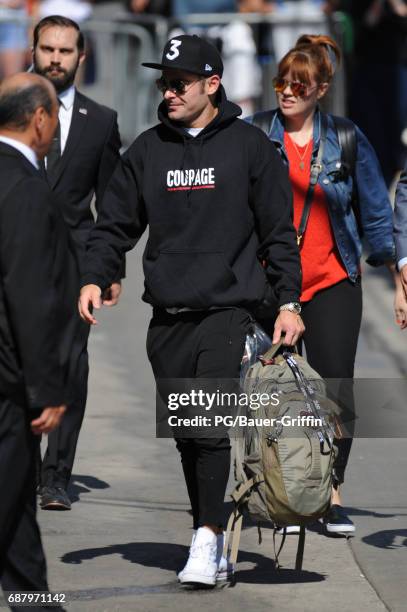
<point x="61" y="79"/>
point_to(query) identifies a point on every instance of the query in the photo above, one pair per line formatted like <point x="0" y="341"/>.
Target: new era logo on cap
<point x="191" y="54"/>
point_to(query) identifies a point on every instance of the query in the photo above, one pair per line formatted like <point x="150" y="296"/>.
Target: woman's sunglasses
<point x="177" y="86"/>
<point x="298" y="89"/>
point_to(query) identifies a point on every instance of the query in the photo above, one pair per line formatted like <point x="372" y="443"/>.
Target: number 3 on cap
<point x="175" y="53"/>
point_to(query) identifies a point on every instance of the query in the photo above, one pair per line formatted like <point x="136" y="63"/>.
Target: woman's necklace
<point x="301" y="157"/>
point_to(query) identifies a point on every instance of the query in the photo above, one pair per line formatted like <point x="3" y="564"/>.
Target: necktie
<point x="54" y="153"/>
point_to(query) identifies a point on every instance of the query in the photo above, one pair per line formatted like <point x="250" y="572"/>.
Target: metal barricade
<point x="122" y="82"/>
<point x="335" y="101"/>
<point x="124" y="42"/>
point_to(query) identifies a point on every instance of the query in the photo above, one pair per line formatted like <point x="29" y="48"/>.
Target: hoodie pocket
<point x="194" y="279"/>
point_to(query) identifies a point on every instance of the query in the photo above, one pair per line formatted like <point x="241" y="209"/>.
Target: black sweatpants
<point x="22" y="561"/>
<point x="207" y="344"/>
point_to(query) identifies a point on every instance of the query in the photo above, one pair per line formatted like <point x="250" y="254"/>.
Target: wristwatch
<point x="294" y="307"/>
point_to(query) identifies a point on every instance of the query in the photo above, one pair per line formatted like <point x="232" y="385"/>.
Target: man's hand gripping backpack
<point x="284" y="472"/>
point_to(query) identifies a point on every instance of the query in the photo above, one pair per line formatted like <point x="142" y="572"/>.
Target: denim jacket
<point x="375" y="208"/>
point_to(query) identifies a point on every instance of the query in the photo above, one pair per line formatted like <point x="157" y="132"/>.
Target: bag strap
<point x="239" y="493"/>
<point x="325" y="432"/>
<point x="316" y="168"/>
<point x="234" y="526"/>
<point x="263" y="121"/>
<point x="300" y="549"/>
<point x="277" y="554"/>
<point x="346" y="132"/>
<point x="316" y="469"/>
<point x="234" y="529"/>
<point x="273" y="350"/>
<point x="233" y="532"/>
<point x="239" y="460"/>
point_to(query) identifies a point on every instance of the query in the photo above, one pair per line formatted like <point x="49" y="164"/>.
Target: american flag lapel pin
<point x="84" y="111"/>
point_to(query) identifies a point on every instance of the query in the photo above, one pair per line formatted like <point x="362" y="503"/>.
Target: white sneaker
<point x="201" y="567"/>
<point x="289" y="530"/>
<point x="180" y="574"/>
<point x="225" y="568"/>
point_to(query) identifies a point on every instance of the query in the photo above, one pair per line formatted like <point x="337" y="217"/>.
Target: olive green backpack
<point x="284" y="471"/>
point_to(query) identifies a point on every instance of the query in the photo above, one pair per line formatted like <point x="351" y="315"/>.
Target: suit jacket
<point x="39" y="280"/>
<point x="91" y="153"/>
<point x="400" y="216"/>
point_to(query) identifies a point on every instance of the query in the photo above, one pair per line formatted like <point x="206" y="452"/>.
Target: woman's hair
<point x="314" y="57"/>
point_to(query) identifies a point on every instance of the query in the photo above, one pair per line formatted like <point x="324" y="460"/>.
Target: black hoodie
<point x="217" y="205"/>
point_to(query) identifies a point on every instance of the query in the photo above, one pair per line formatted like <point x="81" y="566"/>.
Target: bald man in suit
<point x="39" y="279"/>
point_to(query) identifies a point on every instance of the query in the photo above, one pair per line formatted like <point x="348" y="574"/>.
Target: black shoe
<point x="337" y="521"/>
<point x="54" y="498"/>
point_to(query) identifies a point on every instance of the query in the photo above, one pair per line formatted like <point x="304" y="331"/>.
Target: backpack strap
<point x="273" y="350"/>
<point x="277" y="554"/>
<point x="232" y="537"/>
<point x="239" y="493"/>
<point x="300" y="550"/>
<point x="346" y="132"/>
<point x="325" y="432"/>
<point x="271" y="353"/>
<point x="234" y="526"/>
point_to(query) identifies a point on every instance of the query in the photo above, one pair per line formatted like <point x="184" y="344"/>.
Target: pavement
<point x="129" y="529"/>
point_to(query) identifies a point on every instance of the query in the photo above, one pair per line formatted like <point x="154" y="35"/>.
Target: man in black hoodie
<point x="217" y="200"/>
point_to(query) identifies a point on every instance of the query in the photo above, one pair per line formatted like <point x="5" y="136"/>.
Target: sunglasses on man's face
<point x="298" y="89"/>
<point x="177" y="86"/>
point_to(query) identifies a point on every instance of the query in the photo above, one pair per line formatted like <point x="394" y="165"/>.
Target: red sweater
<point x="320" y="260"/>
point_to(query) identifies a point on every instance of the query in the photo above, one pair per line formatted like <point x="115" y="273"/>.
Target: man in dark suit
<point x="78" y="166"/>
<point x="39" y="277"/>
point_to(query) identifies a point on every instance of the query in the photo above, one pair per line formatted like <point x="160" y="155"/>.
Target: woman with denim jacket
<point x="329" y="239"/>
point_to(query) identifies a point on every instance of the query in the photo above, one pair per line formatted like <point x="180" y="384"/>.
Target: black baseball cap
<point x="192" y="54"/>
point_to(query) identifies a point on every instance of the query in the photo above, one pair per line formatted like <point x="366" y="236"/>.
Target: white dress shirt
<point x="23" y="148"/>
<point x="66" y="99"/>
